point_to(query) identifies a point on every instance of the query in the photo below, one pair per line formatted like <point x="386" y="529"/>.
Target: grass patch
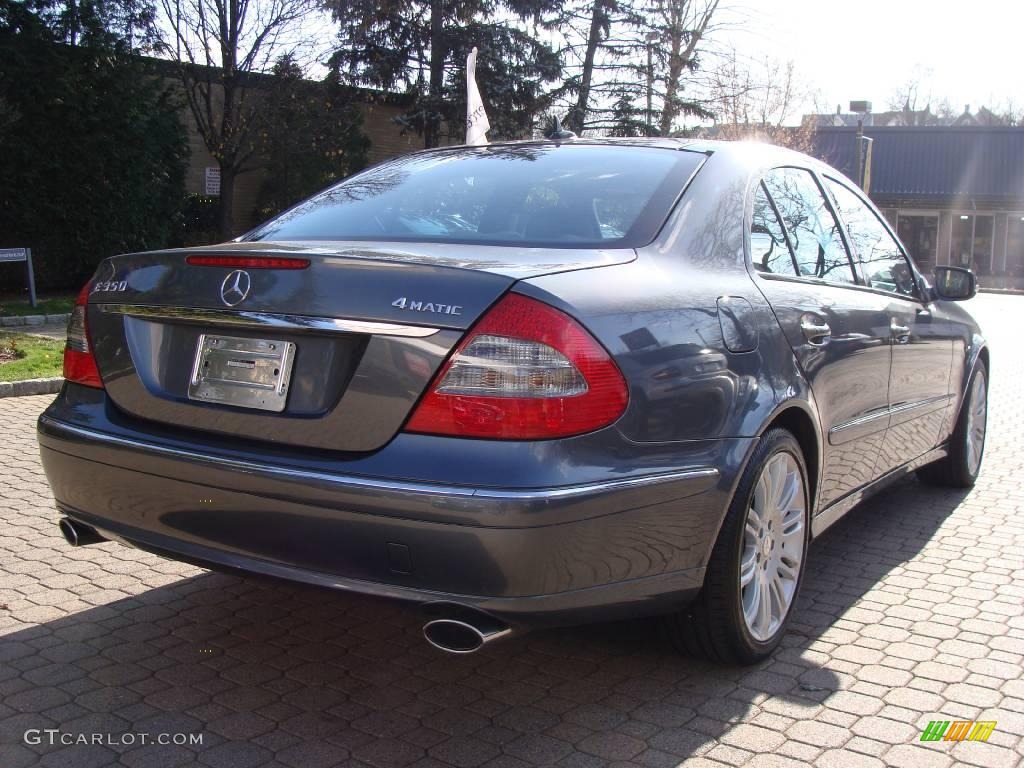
<point x="30" y="357"/>
<point x="56" y="304"/>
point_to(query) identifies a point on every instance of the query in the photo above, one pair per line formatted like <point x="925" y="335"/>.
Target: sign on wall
<point x="212" y="186"/>
<point x="11" y="255"/>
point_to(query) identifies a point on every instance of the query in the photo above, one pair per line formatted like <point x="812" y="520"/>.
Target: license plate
<point x="247" y="373"/>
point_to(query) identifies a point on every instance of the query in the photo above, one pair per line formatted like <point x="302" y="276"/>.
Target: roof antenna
<point x="558" y="133"/>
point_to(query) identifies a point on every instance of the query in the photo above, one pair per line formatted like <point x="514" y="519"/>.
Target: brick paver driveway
<point x="912" y="612"/>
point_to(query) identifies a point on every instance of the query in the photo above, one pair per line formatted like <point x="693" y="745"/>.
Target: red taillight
<point x="526" y="371"/>
<point x="79" y="363"/>
<point x="247" y="262"/>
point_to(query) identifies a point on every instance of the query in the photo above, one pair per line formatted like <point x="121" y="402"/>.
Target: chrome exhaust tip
<point x="78" y="534"/>
<point x="461" y="630"/>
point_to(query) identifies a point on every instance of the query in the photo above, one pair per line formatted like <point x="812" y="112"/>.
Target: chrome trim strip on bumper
<point x="266" y="320"/>
<point x="397" y="486"/>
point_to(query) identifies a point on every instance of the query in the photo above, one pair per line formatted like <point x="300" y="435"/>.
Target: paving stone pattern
<point x="911" y="611"/>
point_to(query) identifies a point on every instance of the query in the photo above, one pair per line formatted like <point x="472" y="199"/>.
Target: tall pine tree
<point x="420" y="46"/>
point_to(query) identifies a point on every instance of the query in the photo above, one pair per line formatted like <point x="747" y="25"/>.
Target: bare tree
<point x="221" y="46"/>
<point x="756" y="100"/>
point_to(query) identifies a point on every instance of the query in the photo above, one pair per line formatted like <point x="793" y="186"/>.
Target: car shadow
<point x="268" y="670"/>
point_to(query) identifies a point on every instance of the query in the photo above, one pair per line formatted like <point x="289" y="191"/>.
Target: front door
<point x="839" y="332"/>
<point x="922" y="345"/>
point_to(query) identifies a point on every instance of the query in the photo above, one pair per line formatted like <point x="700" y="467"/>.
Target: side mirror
<point x="955" y="283"/>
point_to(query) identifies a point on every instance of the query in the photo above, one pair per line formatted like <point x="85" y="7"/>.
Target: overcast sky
<point x="969" y="52"/>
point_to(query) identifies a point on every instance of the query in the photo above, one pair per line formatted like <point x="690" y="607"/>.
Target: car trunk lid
<point x="362" y="328"/>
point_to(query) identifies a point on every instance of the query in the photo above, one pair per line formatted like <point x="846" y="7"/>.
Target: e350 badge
<point x="109" y="286"/>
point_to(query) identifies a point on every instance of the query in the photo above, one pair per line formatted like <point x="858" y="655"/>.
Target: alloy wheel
<point x="977" y="419"/>
<point x="773" y="546"/>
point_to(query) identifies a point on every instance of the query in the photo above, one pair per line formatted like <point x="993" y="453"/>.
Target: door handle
<point x="815" y="331"/>
<point x="901" y="332"/>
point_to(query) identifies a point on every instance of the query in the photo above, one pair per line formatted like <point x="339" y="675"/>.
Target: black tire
<point x="955" y="471"/>
<point x="713" y="626"/>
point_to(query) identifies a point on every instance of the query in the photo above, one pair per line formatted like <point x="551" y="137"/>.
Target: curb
<point x="1003" y="291"/>
<point x="17" y="321"/>
<point x="31" y="387"/>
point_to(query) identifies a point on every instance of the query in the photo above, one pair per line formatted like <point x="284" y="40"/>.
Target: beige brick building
<point x="386" y="140"/>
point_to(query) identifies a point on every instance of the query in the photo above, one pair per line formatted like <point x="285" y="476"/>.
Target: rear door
<point x="922" y="344"/>
<point x="838" y="332"/>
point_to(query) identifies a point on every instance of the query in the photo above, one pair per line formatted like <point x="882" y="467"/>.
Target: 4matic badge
<point x="413" y="305"/>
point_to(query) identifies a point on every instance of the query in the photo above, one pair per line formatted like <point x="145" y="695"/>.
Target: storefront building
<point x="954" y="194"/>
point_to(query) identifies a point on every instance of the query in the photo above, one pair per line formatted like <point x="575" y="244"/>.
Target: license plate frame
<point x="242" y="372"/>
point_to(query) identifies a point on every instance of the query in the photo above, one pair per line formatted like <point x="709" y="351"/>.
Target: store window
<point x="1015" y="245"/>
<point x="920" y="234"/>
<point x="972" y="242"/>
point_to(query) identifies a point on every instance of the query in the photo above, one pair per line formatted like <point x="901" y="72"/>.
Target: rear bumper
<point x="566" y="554"/>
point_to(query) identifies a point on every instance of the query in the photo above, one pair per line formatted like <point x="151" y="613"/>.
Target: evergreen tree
<point x="310" y="135"/>
<point x="627" y="118"/>
<point x="94" y="154"/>
<point x="603" y="55"/>
<point x="419" y="47"/>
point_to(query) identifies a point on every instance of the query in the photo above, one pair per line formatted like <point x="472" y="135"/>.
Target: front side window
<point x="569" y="196"/>
<point x="813" y="230"/>
<point x="879" y="258"/>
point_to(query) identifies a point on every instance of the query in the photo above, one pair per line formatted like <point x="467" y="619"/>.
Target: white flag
<point x="477" y="124"/>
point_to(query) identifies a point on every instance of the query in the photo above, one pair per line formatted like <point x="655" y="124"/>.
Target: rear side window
<point x="813" y="230"/>
<point x="768" y="249"/>
<point x="534" y="195"/>
<point x="879" y="258"/>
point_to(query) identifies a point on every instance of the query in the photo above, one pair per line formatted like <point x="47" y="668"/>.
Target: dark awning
<point x="937" y="163"/>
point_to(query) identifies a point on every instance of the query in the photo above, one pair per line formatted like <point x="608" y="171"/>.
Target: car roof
<point x="753" y="154"/>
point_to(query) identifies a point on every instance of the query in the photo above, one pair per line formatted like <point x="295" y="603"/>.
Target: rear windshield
<point x="536" y="195"/>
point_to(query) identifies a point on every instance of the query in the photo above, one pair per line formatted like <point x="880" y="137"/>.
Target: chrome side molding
<point x="265" y="320"/>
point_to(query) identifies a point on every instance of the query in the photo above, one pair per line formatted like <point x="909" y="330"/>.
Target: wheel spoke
<point x="777" y="480"/>
<point x="760" y="502"/>
<point x="793" y="536"/>
<point x="751" y="599"/>
<point x="784" y="592"/>
<point x="748" y="566"/>
<point x="764" y="608"/>
<point x="779" y="603"/>
<point x="788" y="569"/>
<point x="790" y="491"/>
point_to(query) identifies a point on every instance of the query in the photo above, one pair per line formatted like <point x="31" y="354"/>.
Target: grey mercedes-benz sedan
<point x="525" y="384"/>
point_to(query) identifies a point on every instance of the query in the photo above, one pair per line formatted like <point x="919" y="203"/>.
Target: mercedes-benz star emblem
<point x="235" y="287"/>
